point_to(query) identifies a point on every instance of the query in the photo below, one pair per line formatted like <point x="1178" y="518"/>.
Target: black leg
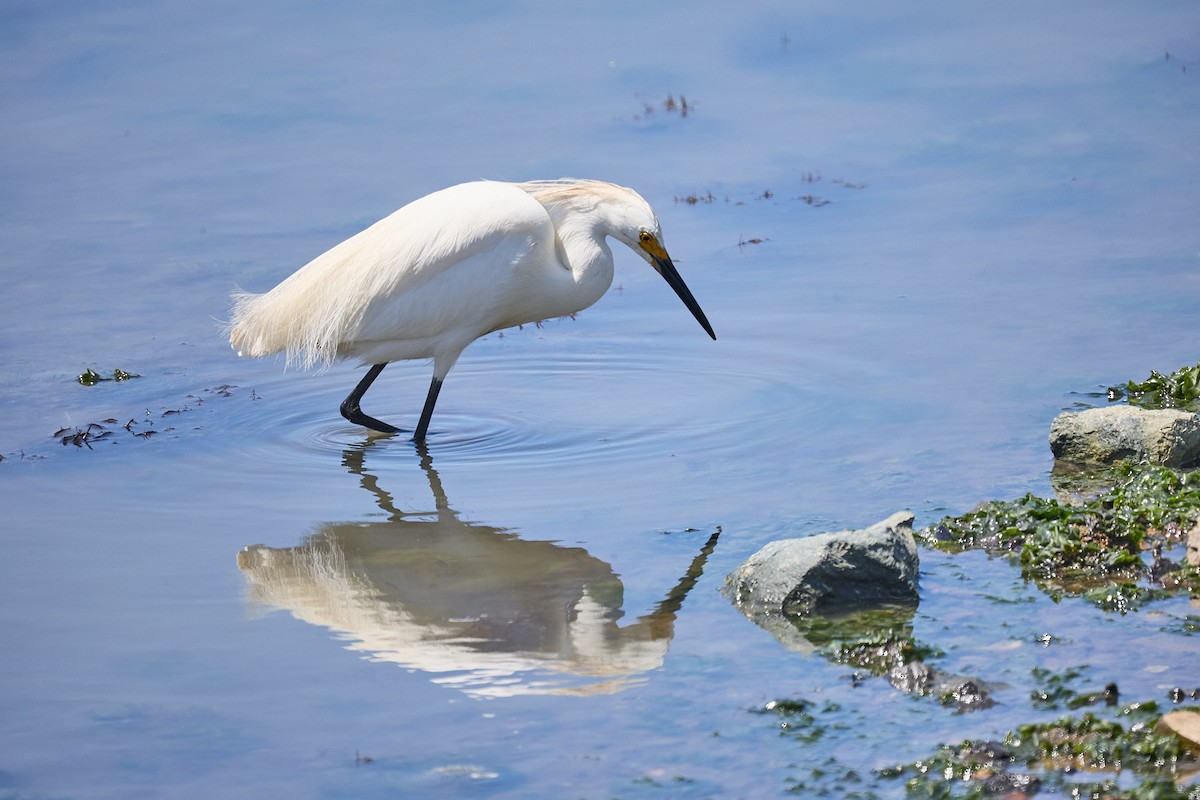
<point x="352" y="412"/>
<point x="430" y="401"/>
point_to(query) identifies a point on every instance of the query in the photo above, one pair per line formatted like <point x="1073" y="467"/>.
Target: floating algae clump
<point x="90" y="377"/>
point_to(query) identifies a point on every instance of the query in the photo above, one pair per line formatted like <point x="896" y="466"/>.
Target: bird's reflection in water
<point x="483" y="609"/>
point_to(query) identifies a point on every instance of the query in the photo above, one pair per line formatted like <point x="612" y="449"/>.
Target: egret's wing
<point x="456" y="278"/>
<point x="403" y="278"/>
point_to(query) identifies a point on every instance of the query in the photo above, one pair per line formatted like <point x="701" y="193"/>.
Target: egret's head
<point x="650" y="247"/>
<point x="621" y="213"/>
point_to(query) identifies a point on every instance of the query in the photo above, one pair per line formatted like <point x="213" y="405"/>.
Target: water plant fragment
<point x="90" y="377"/>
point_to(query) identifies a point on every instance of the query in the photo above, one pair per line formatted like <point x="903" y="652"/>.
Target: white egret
<point x="448" y="268"/>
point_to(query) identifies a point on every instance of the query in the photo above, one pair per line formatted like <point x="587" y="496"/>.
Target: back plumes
<point x="581" y="194"/>
<point x="265" y="324"/>
<point x="369" y="288"/>
<point x="302" y="317"/>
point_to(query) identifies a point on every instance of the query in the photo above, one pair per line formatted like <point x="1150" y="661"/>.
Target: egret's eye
<point x="646" y="237"/>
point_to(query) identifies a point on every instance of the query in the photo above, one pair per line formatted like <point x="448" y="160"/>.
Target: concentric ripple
<point x="503" y="405"/>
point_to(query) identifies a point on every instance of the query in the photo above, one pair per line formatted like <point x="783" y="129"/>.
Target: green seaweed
<point x="1180" y="389"/>
<point x="1093" y="549"/>
<point x="90" y="377"/>
<point x="1055" y="690"/>
<point x="1124" y="596"/>
<point x="831" y="778"/>
<point x="1053" y="754"/>
<point x="799" y="719"/>
<point x="880" y="652"/>
<point x="1188" y="625"/>
<point x="875" y="640"/>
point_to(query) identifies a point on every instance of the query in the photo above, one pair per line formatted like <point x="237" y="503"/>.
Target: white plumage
<point x="444" y="270"/>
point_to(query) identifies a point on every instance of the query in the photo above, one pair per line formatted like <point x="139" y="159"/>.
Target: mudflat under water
<point x="920" y="232"/>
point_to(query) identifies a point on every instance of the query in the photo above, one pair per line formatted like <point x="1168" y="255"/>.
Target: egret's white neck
<point x="583" y="248"/>
<point x="584" y="213"/>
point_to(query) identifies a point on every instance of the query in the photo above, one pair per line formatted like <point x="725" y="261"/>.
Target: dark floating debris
<point x="83" y="437"/>
<point x="668" y="105"/>
<point x="90" y="377"/>
<point x="808" y="198"/>
<point x="110" y="428"/>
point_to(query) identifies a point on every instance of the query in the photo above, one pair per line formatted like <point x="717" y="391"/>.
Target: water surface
<point x="931" y="228"/>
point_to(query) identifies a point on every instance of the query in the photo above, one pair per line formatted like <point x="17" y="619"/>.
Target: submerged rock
<point x="1101" y="436"/>
<point x="964" y="693"/>
<point x="1185" y="725"/>
<point x="1011" y="785"/>
<point x="837" y="571"/>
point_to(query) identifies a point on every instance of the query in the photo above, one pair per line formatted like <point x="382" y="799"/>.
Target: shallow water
<point x="530" y="608"/>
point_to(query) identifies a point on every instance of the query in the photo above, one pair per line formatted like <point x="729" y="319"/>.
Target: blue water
<point x="932" y="227"/>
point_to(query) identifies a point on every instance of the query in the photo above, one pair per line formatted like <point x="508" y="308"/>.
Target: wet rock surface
<point x="1101" y="436"/>
<point x="917" y="677"/>
<point x="837" y="571"/>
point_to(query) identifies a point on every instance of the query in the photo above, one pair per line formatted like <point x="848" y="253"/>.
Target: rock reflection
<point x="879" y="642"/>
<point x="482" y="609"/>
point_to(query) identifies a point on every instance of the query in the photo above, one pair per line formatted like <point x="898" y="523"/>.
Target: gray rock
<point x="1193" y="546"/>
<point x="1101" y="436"/>
<point x="829" y="572"/>
<point x="914" y="677"/>
<point x="917" y="677"/>
<point x="1011" y="784"/>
